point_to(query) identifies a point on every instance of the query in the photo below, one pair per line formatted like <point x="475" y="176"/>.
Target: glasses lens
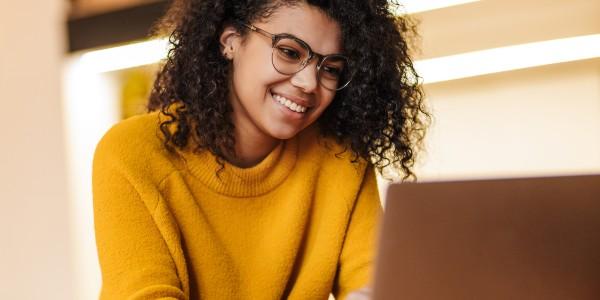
<point x="333" y="73"/>
<point x="289" y="56"/>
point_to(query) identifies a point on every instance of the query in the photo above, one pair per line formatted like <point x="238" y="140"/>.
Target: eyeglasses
<point x="291" y="55"/>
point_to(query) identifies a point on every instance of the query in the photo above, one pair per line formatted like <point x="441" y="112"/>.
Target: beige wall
<point x="34" y="249"/>
<point x="538" y="121"/>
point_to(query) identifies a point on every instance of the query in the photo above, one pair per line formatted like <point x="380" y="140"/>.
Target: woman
<point x="253" y="176"/>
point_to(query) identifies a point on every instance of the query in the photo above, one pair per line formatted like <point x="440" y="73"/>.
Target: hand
<point x="363" y="294"/>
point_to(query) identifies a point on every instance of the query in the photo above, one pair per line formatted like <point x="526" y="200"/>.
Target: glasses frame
<point x="311" y="54"/>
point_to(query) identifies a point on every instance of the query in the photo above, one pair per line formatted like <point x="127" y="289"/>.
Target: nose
<point x="306" y="79"/>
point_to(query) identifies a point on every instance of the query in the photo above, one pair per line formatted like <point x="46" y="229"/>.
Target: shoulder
<point x="135" y="133"/>
<point x="134" y="144"/>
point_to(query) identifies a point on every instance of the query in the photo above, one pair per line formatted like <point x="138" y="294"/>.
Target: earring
<point x="227" y="53"/>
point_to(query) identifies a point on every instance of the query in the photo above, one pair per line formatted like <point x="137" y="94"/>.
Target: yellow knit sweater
<point x="298" y="225"/>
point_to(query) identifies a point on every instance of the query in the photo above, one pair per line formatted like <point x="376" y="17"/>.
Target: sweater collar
<point x="243" y="182"/>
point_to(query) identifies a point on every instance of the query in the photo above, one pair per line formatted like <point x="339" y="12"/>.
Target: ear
<point x="230" y="41"/>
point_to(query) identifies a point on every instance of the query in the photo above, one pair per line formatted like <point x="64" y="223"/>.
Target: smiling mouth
<point x="291" y="105"/>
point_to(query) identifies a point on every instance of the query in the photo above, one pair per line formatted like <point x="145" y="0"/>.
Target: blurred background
<point x="514" y="87"/>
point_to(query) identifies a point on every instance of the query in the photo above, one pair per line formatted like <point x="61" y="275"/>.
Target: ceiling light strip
<point x="123" y="57"/>
<point x="508" y="58"/>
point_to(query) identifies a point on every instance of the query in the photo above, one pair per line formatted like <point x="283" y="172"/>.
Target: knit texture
<point x="299" y="225"/>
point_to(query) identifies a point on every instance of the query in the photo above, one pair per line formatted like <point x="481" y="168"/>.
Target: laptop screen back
<point x="535" y="238"/>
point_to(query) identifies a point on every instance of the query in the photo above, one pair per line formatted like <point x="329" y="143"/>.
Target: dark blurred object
<point x="114" y="26"/>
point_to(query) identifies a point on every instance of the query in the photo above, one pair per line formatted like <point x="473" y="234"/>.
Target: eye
<point x="289" y="53"/>
<point x="331" y="71"/>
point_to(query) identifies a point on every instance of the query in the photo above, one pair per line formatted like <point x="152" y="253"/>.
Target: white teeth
<point x="289" y="104"/>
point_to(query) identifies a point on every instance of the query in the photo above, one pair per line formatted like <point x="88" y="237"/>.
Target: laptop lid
<point x="528" y="238"/>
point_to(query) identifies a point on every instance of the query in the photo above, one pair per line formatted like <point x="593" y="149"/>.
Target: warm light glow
<point x="90" y="107"/>
<point x="416" y="6"/>
<point x="508" y="58"/>
<point x="124" y="57"/>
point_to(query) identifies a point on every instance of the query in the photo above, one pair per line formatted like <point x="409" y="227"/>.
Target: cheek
<point x="252" y="65"/>
<point x="254" y="76"/>
<point x="244" y="84"/>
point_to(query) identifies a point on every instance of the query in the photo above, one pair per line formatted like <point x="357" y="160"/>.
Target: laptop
<point x="527" y="238"/>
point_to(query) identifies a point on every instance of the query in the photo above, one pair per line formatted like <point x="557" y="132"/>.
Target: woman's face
<point x="257" y="89"/>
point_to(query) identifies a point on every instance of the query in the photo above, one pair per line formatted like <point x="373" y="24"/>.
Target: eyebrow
<point x="311" y="49"/>
<point x="262" y="31"/>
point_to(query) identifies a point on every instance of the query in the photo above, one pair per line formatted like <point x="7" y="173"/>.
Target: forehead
<point x="308" y="23"/>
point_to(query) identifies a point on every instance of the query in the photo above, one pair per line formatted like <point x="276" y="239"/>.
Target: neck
<point x="251" y="148"/>
<point x="251" y="144"/>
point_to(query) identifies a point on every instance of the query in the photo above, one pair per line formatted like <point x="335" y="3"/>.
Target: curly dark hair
<point x="380" y="116"/>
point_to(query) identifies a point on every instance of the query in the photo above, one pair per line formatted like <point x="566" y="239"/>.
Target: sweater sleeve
<point x="357" y="256"/>
<point x="134" y="258"/>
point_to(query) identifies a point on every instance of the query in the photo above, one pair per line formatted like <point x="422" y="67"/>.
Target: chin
<point x="284" y="134"/>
